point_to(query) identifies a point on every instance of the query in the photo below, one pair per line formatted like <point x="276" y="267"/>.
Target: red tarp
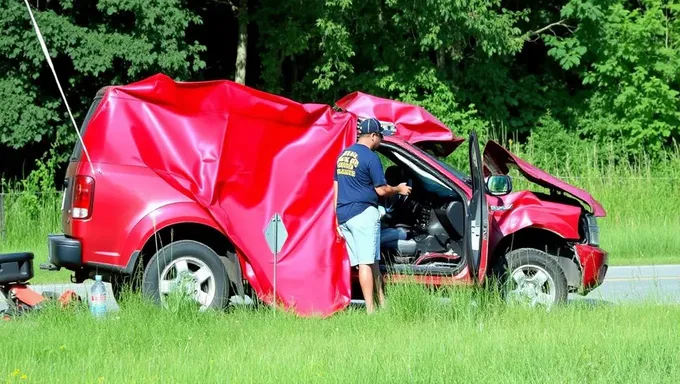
<point x="245" y="155"/>
<point x="414" y="124"/>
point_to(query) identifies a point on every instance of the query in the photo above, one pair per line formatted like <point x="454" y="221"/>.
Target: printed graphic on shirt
<point x="347" y="163"/>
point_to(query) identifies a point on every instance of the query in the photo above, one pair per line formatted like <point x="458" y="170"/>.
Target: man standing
<point x="359" y="182"/>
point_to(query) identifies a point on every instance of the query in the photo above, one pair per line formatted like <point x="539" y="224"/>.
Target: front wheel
<point x="188" y="268"/>
<point x="533" y="278"/>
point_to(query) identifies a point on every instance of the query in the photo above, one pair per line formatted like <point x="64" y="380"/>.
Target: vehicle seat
<point x="394" y="175"/>
<point x="16" y="267"/>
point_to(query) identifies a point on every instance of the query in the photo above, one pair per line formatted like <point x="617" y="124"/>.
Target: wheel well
<point x="543" y="240"/>
<point x="536" y="238"/>
<point x="204" y="234"/>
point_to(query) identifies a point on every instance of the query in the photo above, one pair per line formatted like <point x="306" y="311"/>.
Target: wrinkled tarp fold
<point x="245" y="155"/>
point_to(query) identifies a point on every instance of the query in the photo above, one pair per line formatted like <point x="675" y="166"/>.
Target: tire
<point x="521" y="273"/>
<point x="191" y="265"/>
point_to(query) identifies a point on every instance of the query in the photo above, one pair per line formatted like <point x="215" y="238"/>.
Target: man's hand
<point x="403" y="189"/>
<point x="337" y="228"/>
<point x="387" y="190"/>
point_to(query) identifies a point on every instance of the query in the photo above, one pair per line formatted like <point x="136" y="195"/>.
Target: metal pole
<point x="276" y="254"/>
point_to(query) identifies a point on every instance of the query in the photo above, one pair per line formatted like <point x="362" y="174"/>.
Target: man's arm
<point x="380" y="184"/>
<point x="335" y="195"/>
<point x="335" y="207"/>
<point x="388" y="190"/>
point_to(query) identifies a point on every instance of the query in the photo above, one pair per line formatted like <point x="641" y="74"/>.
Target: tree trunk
<point x="241" y="49"/>
<point x="441" y="59"/>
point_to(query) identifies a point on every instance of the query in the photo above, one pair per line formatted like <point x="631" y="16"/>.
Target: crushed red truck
<point x="185" y="178"/>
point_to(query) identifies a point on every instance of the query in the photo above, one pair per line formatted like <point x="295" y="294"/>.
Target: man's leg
<point x="389" y="238"/>
<point x="377" y="276"/>
<point x="366" y="281"/>
<point x="364" y="230"/>
<point x="365" y="274"/>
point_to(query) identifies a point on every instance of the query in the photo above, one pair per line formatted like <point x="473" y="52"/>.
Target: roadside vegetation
<point x="586" y="90"/>
<point x="470" y="338"/>
<point x="641" y="200"/>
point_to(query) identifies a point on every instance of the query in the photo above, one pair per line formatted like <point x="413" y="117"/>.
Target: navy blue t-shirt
<point x="358" y="172"/>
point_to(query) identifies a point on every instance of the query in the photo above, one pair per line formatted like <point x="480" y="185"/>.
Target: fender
<point x="525" y="210"/>
<point x="186" y="213"/>
<point x="162" y="217"/>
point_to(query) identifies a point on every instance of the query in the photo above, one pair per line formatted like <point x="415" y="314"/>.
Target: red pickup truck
<point x="184" y="178"/>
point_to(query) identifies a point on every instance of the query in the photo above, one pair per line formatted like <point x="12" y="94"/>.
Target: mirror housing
<point x="498" y="185"/>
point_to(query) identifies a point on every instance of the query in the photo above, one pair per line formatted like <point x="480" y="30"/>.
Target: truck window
<point x="77" y="149"/>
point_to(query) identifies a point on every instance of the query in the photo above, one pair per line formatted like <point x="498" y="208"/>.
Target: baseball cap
<point x="371" y="125"/>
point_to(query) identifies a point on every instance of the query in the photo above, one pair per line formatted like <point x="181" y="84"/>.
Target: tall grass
<point x="639" y="195"/>
<point x="472" y="338"/>
<point x="28" y="218"/>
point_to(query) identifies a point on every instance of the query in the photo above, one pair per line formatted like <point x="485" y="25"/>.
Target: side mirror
<point x="499" y="185"/>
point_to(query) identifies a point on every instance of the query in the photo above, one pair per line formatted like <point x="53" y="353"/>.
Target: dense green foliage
<point x="605" y="71"/>
<point x="92" y="44"/>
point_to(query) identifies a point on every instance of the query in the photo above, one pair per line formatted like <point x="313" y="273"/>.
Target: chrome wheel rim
<point x="191" y="277"/>
<point x="533" y="286"/>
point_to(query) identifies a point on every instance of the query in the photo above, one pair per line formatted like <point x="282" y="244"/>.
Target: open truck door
<point x="477" y="223"/>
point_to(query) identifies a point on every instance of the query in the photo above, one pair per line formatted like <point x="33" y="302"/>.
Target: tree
<point x="629" y="62"/>
<point x="93" y="44"/>
<point x="241" y="50"/>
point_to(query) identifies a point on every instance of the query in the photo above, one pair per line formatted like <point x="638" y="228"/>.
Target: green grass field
<point x="473" y="338"/>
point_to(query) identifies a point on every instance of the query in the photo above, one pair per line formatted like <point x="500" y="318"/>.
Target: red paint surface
<point x="498" y="160"/>
<point x="230" y="149"/>
<point x="592" y="261"/>
<point x="528" y="211"/>
<point x="229" y="157"/>
<point x="414" y="124"/>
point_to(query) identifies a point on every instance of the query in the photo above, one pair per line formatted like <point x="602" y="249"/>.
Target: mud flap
<point x="233" y="267"/>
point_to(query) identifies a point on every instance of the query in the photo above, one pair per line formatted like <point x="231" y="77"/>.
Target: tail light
<point x="83" y="196"/>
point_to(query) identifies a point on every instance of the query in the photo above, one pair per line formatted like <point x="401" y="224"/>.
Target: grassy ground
<point x="471" y="339"/>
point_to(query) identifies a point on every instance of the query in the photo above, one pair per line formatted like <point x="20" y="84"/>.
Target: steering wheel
<point x="403" y="198"/>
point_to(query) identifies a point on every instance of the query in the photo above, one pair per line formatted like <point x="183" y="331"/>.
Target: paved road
<point x="660" y="283"/>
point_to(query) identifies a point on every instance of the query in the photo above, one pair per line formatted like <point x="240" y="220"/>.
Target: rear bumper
<point x="66" y="252"/>
<point x="594" y="265"/>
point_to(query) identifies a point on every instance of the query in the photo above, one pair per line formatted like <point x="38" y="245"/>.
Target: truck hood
<point x="498" y="160"/>
<point x="412" y="123"/>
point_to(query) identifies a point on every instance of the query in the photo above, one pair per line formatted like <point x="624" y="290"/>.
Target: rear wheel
<point x="533" y="278"/>
<point x="190" y="269"/>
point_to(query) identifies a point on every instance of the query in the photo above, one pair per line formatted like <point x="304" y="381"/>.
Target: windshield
<point x="456" y="172"/>
<point x="459" y="174"/>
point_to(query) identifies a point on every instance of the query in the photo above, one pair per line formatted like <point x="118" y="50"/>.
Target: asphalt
<point x="659" y="284"/>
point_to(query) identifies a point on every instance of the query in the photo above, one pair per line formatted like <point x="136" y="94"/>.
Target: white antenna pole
<point x="49" y="61"/>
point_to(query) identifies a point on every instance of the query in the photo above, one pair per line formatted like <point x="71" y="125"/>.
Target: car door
<point x="477" y="222"/>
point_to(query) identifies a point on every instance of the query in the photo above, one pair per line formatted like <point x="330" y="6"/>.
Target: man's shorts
<point x="362" y="236"/>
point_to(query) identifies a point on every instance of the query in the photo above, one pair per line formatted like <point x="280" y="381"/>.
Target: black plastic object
<point x="16" y="267"/>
